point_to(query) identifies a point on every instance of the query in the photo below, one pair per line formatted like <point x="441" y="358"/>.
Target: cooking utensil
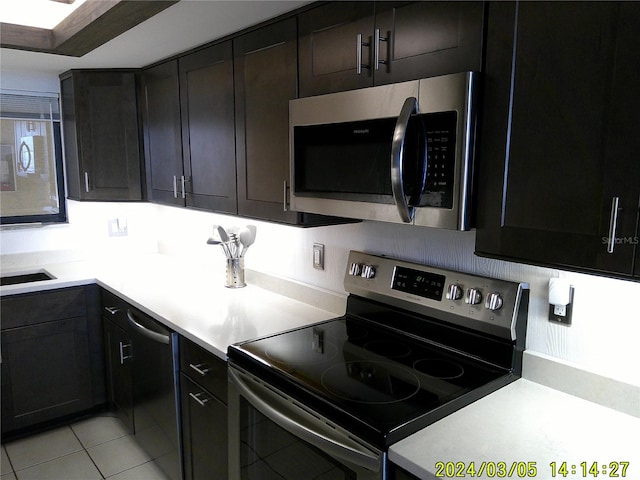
<point x="224" y="237"/>
<point x="247" y="236"/>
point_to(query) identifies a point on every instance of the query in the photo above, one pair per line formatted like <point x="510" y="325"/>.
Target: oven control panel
<point x="487" y="304"/>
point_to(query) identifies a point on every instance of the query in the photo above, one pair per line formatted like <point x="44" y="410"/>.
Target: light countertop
<point x="191" y="299"/>
<point x="525" y="423"/>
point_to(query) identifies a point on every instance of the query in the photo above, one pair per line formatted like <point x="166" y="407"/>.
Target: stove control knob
<point x="355" y="269"/>
<point x="493" y="302"/>
<point x="473" y="297"/>
<point x="368" y="271"/>
<point x="454" y="292"/>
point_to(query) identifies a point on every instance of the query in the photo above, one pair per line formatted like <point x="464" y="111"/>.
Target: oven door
<point x="272" y="436"/>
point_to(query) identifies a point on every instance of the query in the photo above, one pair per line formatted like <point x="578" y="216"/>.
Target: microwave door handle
<point x="397" y="165"/>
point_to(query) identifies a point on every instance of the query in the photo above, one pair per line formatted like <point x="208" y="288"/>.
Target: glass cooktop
<point x="375" y="378"/>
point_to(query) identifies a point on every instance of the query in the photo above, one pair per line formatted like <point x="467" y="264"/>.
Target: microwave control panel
<point x="441" y="155"/>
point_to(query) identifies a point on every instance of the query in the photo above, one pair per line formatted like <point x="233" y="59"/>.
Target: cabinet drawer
<point x="34" y="308"/>
<point x="204" y="368"/>
<point x="114" y="309"/>
<point x="204" y="432"/>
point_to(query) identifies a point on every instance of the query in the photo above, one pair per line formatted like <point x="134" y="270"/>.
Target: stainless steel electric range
<point x="416" y="344"/>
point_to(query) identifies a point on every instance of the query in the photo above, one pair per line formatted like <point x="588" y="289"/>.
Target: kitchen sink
<point x="16" y="278"/>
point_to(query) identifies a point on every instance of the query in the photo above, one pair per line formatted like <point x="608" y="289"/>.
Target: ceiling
<point x="186" y="24"/>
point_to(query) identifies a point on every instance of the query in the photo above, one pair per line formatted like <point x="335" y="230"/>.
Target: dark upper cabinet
<point x="162" y="134"/>
<point x="102" y="152"/>
<point x="208" y="130"/>
<point x="265" y="80"/>
<point x="189" y="126"/>
<point x="348" y="45"/>
<point x="328" y="54"/>
<point x="558" y="184"/>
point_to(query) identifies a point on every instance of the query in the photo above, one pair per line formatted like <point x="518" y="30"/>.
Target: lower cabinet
<point x="52" y="364"/>
<point x="203" y="385"/>
<point x="117" y="347"/>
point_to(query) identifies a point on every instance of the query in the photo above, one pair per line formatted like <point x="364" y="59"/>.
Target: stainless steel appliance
<point x="416" y="343"/>
<point x="395" y="153"/>
<point x="154" y="355"/>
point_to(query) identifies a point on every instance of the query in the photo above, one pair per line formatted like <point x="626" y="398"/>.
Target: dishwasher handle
<point x="150" y="334"/>
<point x="297" y="421"/>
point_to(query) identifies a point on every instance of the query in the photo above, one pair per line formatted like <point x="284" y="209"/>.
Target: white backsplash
<point x="603" y="338"/>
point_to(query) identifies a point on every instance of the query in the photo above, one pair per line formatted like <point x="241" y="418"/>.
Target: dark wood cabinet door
<point x="265" y="81"/>
<point x="328" y="47"/>
<point x="208" y="130"/>
<point x="622" y="176"/>
<point x="101" y="135"/>
<point x="204" y="432"/>
<point x="52" y="356"/>
<point x="46" y="372"/>
<point x="162" y="134"/>
<point x="546" y="180"/>
<point x="426" y="39"/>
<point x="118" y="372"/>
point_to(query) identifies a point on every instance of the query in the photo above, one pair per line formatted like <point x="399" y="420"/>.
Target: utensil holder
<point x="235" y="273"/>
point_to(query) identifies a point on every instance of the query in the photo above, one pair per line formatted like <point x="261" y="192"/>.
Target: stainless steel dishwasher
<point x="154" y="352"/>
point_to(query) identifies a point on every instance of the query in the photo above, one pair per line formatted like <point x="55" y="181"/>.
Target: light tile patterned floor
<point x="97" y="448"/>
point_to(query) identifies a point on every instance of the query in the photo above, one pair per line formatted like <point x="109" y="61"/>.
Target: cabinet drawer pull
<point x="359" y="45"/>
<point x="124" y="357"/>
<point x="86" y="182"/>
<point x="196" y="396"/>
<point x="613" y="224"/>
<point x="112" y="310"/>
<point x="201" y="368"/>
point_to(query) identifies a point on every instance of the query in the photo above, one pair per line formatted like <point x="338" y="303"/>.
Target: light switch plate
<point x="318" y="256"/>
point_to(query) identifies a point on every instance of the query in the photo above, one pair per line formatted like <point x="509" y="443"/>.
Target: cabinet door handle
<point x="175" y="186"/>
<point x="182" y="182"/>
<point x="201" y="401"/>
<point x="86" y="182"/>
<point x="613" y="224"/>
<point x="376" y="48"/>
<point x="112" y="310"/>
<point x="284" y="196"/>
<point x="201" y="368"/>
<point x="124" y="357"/>
<point x="359" y="45"/>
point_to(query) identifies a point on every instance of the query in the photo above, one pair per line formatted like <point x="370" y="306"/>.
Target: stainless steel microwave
<point x="394" y="153"/>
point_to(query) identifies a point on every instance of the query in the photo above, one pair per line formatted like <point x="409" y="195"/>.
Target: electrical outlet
<point x="118" y="227"/>
<point x="318" y="256"/>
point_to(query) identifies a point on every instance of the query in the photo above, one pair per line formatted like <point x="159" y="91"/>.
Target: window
<point x="31" y="173"/>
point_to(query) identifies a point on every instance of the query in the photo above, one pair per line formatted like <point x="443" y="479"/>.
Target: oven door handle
<point x="405" y="209"/>
<point x="297" y="421"/>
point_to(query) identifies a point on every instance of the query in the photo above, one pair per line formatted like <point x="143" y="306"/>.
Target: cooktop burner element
<point x="381" y="382"/>
<point x="408" y="351"/>
<point x="439" y="368"/>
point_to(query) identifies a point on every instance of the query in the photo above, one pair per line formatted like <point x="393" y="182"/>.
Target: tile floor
<point x="96" y="448"/>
